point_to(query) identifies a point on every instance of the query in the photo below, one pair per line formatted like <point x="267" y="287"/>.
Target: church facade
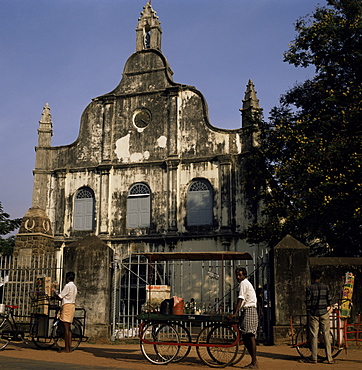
<point x="148" y="170"/>
<point x="147" y="173"/>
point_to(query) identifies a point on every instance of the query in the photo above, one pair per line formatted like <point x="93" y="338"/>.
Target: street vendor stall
<point x="168" y="338"/>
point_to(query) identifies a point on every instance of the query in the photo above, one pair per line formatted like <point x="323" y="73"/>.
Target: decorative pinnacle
<point x="46" y="117"/>
<point x="250" y="100"/>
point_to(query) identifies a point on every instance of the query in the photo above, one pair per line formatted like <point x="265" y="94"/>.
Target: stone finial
<point x="46" y="117"/>
<point x="250" y="110"/>
<point x="45" y="131"/>
<point x="148" y="31"/>
<point x="250" y="100"/>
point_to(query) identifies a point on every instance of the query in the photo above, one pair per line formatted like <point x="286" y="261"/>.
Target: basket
<point x="39" y="302"/>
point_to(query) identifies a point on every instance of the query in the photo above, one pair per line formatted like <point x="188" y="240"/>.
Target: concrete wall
<point x="290" y="279"/>
<point x="291" y="275"/>
<point x="91" y="259"/>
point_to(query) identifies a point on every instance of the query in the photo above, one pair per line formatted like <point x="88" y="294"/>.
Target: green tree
<point x="312" y="143"/>
<point x="6" y="227"/>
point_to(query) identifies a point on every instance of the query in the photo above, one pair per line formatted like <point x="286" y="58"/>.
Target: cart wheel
<point x="153" y="344"/>
<point x="5" y="337"/>
<point x="240" y="354"/>
<point x="241" y="351"/>
<point x="185" y="337"/>
<point x="219" y="345"/>
<point x="43" y="343"/>
<point x="303" y="345"/>
<point x="58" y="334"/>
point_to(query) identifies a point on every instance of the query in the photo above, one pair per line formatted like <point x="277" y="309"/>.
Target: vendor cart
<point x="169" y="338"/>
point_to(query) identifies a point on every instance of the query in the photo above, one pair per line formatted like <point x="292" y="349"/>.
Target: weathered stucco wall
<point x="90" y="259"/>
<point x="291" y="277"/>
<point x="111" y="154"/>
<point x="173" y="145"/>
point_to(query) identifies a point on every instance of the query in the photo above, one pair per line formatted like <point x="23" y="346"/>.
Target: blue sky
<point x="66" y="52"/>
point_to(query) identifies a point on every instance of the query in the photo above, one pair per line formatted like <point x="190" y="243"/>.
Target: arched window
<point x="83" y="216"/>
<point x="199" y="204"/>
<point x="139" y="206"/>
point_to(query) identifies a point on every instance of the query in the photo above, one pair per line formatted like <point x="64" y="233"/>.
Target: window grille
<point x="139" y="189"/>
<point x="84" y="193"/>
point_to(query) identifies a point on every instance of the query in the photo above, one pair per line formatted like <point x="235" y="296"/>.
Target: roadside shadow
<point x="125" y="354"/>
<point x="114" y="353"/>
<point x="280" y="356"/>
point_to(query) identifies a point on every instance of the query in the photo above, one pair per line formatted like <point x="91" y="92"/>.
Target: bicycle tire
<point x="241" y="351"/>
<point x="58" y="335"/>
<point x="156" y="353"/>
<point x="304" y="345"/>
<point x="217" y="336"/>
<point x="5" y="333"/>
<point x="240" y="354"/>
<point x="184" y="337"/>
<point x="43" y="343"/>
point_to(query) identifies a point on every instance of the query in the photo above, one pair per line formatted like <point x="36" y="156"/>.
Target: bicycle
<point x="341" y="333"/>
<point x="44" y="329"/>
<point x="43" y="334"/>
<point x="9" y="329"/>
<point x="302" y="341"/>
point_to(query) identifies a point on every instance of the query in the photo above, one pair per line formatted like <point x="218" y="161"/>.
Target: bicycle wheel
<point x="58" y="334"/>
<point x="154" y="345"/>
<point x="304" y="345"/>
<point x="335" y="348"/>
<point x="43" y="343"/>
<point x="220" y="350"/>
<point x="184" y="337"/>
<point x="5" y="333"/>
<point x="241" y="352"/>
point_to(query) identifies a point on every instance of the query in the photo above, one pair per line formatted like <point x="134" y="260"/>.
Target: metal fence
<point x="21" y="275"/>
<point x="203" y="283"/>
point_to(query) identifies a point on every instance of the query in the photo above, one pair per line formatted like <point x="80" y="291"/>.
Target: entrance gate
<point x="203" y="282"/>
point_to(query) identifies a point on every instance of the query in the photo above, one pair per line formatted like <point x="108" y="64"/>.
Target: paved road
<point x="19" y="356"/>
<point x="21" y="364"/>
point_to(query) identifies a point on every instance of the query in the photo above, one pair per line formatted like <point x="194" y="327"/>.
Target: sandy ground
<point x="129" y="356"/>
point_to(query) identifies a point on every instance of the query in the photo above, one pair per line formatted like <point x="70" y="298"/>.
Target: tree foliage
<point x="312" y="143"/>
<point x="7" y="226"/>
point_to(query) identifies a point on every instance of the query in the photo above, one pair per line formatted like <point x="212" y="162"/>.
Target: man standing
<point x="249" y="315"/>
<point x="318" y="305"/>
<point x="67" y="296"/>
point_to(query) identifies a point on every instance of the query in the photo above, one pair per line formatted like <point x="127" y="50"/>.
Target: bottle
<point x="209" y="309"/>
<point x="192" y="306"/>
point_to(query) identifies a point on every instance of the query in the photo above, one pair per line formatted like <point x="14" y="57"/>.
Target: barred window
<point x="199" y="204"/>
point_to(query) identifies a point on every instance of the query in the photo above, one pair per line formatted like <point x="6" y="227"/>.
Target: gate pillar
<point x="291" y="276"/>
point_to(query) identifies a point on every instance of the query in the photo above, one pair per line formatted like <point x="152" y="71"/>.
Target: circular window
<point x="141" y="118"/>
